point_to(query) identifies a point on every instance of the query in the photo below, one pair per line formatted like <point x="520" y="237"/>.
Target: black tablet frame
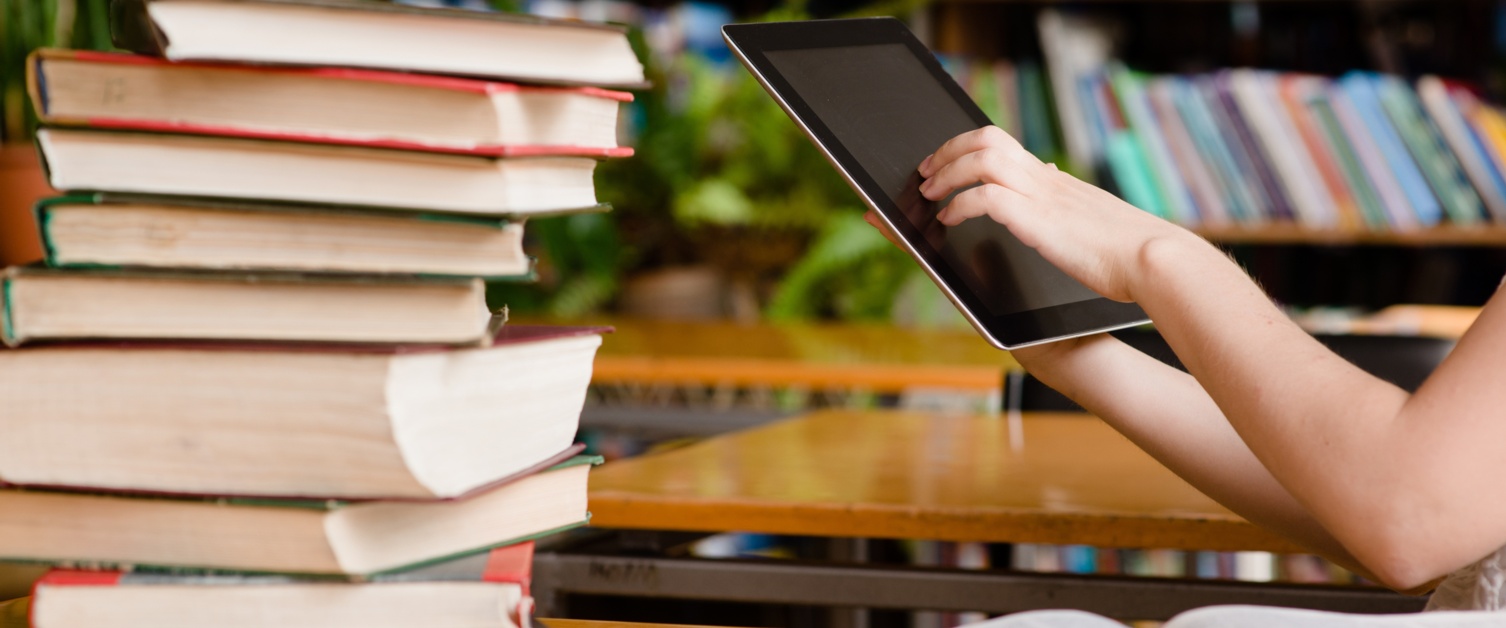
<point x="1008" y="331"/>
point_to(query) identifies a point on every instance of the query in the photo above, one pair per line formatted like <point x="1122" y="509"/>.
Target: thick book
<point x="464" y="592"/>
<point x="1438" y="165"/>
<point x="1362" y="90"/>
<point x="312" y="421"/>
<point x="1238" y="132"/>
<point x="1295" y="91"/>
<point x="329" y="105"/>
<point x="50" y="304"/>
<point x="1366" y="197"/>
<point x="351" y="33"/>
<point x="1398" y="210"/>
<point x="1238" y="195"/>
<point x="332" y="538"/>
<point x="89" y="160"/>
<point x="1208" y="198"/>
<point x="1130" y="91"/>
<point x="96" y="230"/>
<point x="1444" y="112"/>
<point x="1275" y="135"/>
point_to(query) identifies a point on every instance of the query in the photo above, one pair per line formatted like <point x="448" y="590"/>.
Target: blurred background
<point x="728" y="212"/>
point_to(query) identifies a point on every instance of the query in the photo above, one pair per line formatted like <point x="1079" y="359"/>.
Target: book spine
<point x="1258" y="159"/>
<point x="1130" y="89"/>
<point x="1399" y="213"/>
<point x="1246" y="164"/>
<point x="1449" y="117"/>
<point x="1367" y="103"/>
<point x="1372" y="212"/>
<point x="1437" y="164"/>
<point x="1208" y="141"/>
<point x="1293" y="92"/>
<point x="1207" y="199"/>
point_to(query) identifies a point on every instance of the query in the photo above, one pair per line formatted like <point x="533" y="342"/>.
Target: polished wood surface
<point x="886" y="474"/>
<point x="1439" y="321"/>
<point x="587" y="623"/>
<point x="1289" y="233"/>
<point x="873" y="358"/>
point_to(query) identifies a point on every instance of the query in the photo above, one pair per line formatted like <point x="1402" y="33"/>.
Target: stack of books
<point x="1243" y="148"/>
<point x="256" y="382"/>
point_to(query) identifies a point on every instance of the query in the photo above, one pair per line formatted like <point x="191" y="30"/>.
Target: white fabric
<point x="1481" y="586"/>
<point x="1257" y="617"/>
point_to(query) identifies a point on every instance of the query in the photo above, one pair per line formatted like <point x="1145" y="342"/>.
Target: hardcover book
<point x="291" y="537"/>
<point x="380" y="35"/>
<point x="97" y="230"/>
<point x="310" y="421"/>
<point x="328" y="105"/>
<point x="466" y="593"/>
<point x="46" y="304"/>
<point x="227" y="167"/>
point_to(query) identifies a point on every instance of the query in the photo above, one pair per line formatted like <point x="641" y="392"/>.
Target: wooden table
<point x="878" y="358"/>
<point x="909" y="475"/>
<point x="916" y="476"/>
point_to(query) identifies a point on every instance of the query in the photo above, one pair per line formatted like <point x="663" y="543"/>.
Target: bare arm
<point x="1403" y="483"/>
<point x="1168" y="414"/>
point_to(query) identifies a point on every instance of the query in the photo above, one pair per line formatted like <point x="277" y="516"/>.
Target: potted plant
<point x="26" y="25"/>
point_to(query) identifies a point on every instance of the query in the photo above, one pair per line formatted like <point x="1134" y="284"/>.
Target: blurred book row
<point x="256" y="381"/>
<point x="1243" y="147"/>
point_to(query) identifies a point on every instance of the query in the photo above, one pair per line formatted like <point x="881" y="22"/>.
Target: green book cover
<point x="984" y="88"/>
<point x="1437" y="163"/>
<point x="1127" y="161"/>
<point x="1365" y="193"/>
<point x="45" y="209"/>
<point x="1171" y="190"/>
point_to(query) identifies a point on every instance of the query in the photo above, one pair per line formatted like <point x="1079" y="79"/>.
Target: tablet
<point x="876" y="101"/>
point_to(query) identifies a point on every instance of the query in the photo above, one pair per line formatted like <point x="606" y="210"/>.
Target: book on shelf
<point x="50" y="304"/>
<point x="316" y="421"/>
<point x="1446" y="106"/>
<point x="240" y="168"/>
<point x="1440" y="169"/>
<point x="1247" y="148"/>
<point x="104" y="230"/>
<point x="330" y="105"/>
<point x="1295" y="92"/>
<point x="350" y="33"/>
<point x="462" y="592"/>
<point x="305" y="537"/>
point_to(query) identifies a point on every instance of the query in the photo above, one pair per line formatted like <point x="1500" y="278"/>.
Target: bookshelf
<point x="1293" y="234"/>
<point x="1193" y="38"/>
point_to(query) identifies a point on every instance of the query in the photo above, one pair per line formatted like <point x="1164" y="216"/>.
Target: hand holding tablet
<point x="877" y="103"/>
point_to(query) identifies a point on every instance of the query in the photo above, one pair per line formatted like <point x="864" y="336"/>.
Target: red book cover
<point x="37" y="87"/>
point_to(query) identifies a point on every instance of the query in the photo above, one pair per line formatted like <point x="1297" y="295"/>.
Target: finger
<point x="1000" y="203"/>
<point x="977" y="139"/>
<point x="999" y="167"/>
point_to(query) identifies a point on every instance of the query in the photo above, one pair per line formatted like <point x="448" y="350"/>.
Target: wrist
<point x="1162" y="259"/>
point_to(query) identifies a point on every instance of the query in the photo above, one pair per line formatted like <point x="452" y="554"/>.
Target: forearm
<point x="1317" y="422"/>
<point x="1167" y="413"/>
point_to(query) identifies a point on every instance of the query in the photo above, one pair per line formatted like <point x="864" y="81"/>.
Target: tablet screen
<point x="889" y="112"/>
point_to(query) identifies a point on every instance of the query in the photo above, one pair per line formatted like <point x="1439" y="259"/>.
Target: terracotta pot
<point x="684" y="293"/>
<point x="22" y="184"/>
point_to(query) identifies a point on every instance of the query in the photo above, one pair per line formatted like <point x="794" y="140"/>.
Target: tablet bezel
<point x="1007" y="331"/>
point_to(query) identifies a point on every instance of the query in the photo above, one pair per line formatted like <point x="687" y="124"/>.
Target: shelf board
<point x="1287" y="233"/>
